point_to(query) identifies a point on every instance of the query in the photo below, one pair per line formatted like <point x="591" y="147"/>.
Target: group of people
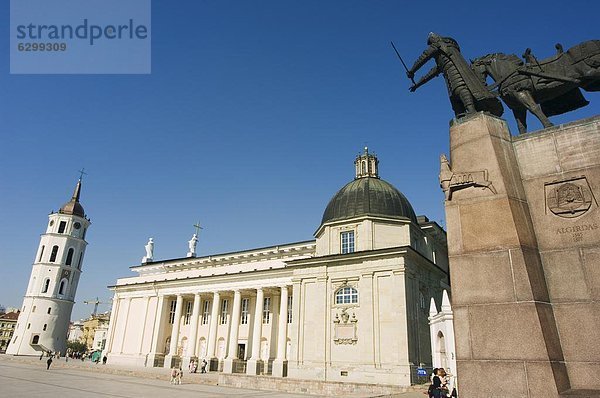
<point x="441" y="384"/>
<point x="177" y="372"/>
<point x="194" y="366"/>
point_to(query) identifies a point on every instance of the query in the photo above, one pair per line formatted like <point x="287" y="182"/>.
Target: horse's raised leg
<point x="527" y="100"/>
<point x="521" y="118"/>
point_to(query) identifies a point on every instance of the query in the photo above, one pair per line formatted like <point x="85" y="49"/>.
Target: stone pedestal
<point x="154" y="360"/>
<point x="172" y="361"/>
<point x="230" y="364"/>
<point x="507" y="339"/>
<point x="280" y="367"/>
<point x="254" y="367"/>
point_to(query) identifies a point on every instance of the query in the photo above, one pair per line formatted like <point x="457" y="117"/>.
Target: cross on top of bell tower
<point x="367" y="165"/>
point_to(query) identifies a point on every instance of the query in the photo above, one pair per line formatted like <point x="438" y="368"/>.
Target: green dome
<point x="368" y="196"/>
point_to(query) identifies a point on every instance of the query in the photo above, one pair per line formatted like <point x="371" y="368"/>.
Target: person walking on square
<point x="173" y="375"/>
<point x="179" y="376"/>
<point x="48" y="363"/>
<point x="203" y="366"/>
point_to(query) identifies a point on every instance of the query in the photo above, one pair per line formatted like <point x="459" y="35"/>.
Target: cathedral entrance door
<point x="241" y="354"/>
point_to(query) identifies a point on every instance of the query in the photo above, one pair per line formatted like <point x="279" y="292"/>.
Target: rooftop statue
<point x="547" y="87"/>
<point x="468" y="93"/>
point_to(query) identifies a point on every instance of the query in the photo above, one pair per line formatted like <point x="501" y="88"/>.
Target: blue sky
<point x="249" y="122"/>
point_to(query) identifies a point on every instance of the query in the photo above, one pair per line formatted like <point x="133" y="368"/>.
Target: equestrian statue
<point x="546" y="87"/>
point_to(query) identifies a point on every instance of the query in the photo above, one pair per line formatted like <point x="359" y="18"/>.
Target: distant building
<point x="44" y="320"/>
<point x="95" y="323"/>
<point x="8" y="322"/>
<point x="75" y="331"/>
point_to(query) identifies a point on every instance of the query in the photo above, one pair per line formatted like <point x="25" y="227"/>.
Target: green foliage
<point x="76" y="346"/>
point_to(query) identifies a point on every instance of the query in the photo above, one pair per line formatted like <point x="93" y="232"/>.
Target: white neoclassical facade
<point x="43" y="323"/>
<point x="350" y="305"/>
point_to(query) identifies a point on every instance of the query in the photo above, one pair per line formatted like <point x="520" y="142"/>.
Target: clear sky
<point x="249" y="122"/>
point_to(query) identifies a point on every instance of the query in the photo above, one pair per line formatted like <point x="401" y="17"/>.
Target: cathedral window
<point x="62" y="226"/>
<point x="205" y="312"/>
<point x="172" y="311"/>
<point x="245" y="305"/>
<point x="188" y="313"/>
<point x="69" y="257"/>
<point x="289" y="310"/>
<point x="41" y="254"/>
<point x="53" y="254"/>
<point x="266" y="315"/>
<point x="347" y="239"/>
<point x="46" y="285"/>
<point x="224" y="305"/>
<point x="346" y="295"/>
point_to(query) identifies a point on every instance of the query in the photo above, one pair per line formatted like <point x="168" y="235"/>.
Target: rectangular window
<point x="266" y="310"/>
<point x="62" y="226"/>
<point x="205" y="312"/>
<point x="224" y="305"/>
<point x="188" y="313"/>
<point x="245" y="304"/>
<point x="41" y="254"/>
<point x="289" y="304"/>
<point x="347" y="242"/>
<point x="172" y="311"/>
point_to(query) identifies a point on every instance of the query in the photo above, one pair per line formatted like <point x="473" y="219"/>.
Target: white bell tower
<point x="44" y="320"/>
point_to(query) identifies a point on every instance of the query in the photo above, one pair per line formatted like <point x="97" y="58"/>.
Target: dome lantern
<point x="366" y="165"/>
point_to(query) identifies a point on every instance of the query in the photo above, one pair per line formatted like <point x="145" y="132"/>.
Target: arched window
<point x="49" y="309"/>
<point x="63" y="287"/>
<point x="69" y="257"/>
<point x="346" y="295"/>
<point x="41" y="253"/>
<point x="53" y="254"/>
<point x="35" y="339"/>
<point x="46" y="285"/>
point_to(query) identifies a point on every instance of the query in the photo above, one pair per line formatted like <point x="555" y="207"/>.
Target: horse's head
<point x="480" y="66"/>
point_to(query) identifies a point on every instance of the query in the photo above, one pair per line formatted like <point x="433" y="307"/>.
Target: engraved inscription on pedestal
<point x="569" y="198"/>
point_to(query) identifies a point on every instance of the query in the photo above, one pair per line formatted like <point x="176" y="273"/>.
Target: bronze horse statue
<point x="545" y="88"/>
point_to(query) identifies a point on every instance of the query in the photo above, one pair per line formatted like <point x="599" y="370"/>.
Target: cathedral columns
<point x="280" y="363"/>
<point x="233" y="334"/>
<point x="212" y="332"/>
<point x="191" y="348"/>
<point x="112" y="325"/>
<point x="174" y="332"/>
<point x="254" y="363"/>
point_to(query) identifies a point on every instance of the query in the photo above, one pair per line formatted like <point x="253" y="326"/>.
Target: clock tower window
<point x="53" y="254"/>
<point x="69" y="257"/>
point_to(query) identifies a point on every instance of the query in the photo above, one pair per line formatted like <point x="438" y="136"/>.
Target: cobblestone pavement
<point x="28" y="377"/>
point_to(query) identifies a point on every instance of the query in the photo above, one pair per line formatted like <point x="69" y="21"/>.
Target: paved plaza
<point x="28" y="377"/>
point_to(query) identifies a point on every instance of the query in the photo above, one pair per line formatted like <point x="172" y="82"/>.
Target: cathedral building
<point x="350" y="305"/>
<point x="43" y="323"/>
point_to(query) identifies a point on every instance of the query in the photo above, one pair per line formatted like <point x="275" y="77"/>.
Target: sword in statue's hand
<point x="410" y="76"/>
